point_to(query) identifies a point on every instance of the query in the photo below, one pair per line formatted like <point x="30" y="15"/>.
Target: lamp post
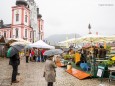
<point x="93" y="60"/>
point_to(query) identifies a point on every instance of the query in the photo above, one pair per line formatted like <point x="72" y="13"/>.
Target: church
<point x="26" y="22"/>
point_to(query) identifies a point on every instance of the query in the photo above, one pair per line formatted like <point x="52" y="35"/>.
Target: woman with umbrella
<point x="49" y="70"/>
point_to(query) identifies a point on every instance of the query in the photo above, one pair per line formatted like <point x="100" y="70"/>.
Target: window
<point x="41" y="37"/>
<point x="4" y="34"/>
<point x="30" y="34"/>
<point x="26" y="18"/>
<point x="41" y="27"/>
<point x="17" y="17"/>
<point x="16" y="32"/>
<point x="25" y="33"/>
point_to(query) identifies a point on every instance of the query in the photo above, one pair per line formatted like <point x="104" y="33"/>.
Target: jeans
<point x="14" y="73"/>
<point x="50" y="83"/>
<point x="27" y="59"/>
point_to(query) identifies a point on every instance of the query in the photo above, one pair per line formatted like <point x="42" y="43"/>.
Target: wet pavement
<point x="31" y="74"/>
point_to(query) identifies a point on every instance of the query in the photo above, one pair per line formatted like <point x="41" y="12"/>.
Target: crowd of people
<point x="86" y="55"/>
<point x="35" y="55"/>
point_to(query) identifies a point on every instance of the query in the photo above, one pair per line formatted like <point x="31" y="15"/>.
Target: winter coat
<point x="14" y="60"/>
<point x="102" y="53"/>
<point x="27" y="53"/>
<point x="49" y="71"/>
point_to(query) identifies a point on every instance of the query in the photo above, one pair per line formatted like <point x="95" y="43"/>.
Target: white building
<point x="33" y="17"/>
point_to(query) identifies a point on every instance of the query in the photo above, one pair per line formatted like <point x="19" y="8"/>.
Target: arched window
<point x="30" y="34"/>
<point x="26" y="17"/>
<point x="16" y="32"/>
<point x="4" y="34"/>
<point x="17" y="17"/>
<point x="25" y="33"/>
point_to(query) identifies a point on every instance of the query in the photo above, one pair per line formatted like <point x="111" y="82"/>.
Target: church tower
<point x="33" y="18"/>
<point x="21" y="21"/>
<point x="40" y="25"/>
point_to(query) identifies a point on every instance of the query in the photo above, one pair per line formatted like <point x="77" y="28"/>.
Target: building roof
<point x="31" y="0"/>
<point x="5" y="26"/>
<point x="39" y="16"/>
<point x="21" y="2"/>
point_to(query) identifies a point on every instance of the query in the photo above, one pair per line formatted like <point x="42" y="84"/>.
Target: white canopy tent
<point x="41" y="44"/>
<point x="91" y="38"/>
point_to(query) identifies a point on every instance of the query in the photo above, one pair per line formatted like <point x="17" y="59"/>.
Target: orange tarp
<point x="78" y="73"/>
<point x="59" y="64"/>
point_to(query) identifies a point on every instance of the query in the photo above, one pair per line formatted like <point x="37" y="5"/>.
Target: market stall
<point x="41" y="44"/>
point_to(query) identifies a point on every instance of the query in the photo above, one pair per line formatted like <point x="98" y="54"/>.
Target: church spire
<point x="89" y="27"/>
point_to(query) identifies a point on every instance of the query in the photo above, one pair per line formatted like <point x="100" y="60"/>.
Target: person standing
<point x="95" y="52"/>
<point x="27" y="55"/>
<point x="36" y="55"/>
<point x="102" y="52"/>
<point x="39" y="55"/>
<point x="42" y="55"/>
<point x="15" y="61"/>
<point x="33" y="55"/>
<point x="49" y="71"/>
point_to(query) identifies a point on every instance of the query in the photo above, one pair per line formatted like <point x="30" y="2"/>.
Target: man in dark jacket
<point x="15" y="61"/>
<point x="102" y="52"/>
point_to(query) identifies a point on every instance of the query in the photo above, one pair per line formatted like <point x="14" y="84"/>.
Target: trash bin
<point x="105" y="71"/>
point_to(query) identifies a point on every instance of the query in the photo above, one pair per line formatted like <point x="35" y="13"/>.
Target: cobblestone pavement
<point x="31" y="74"/>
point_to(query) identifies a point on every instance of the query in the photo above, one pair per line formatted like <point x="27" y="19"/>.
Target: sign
<point x="100" y="71"/>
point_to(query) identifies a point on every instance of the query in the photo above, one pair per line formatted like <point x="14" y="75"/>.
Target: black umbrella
<point x="14" y="49"/>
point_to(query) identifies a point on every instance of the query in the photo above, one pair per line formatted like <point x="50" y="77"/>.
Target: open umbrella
<point x="91" y="38"/>
<point x="14" y="49"/>
<point x="20" y="43"/>
<point x="53" y="52"/>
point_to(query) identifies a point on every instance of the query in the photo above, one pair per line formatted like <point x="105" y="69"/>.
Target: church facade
<point x="27" y="23"/>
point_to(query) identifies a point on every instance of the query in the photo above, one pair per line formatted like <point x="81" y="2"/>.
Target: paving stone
<point x="31" y="74"/>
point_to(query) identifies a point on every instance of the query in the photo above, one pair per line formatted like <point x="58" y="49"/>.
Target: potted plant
<point x="69" y="57"/>
<point x="69" y="66"/>
<point x="108" y="63"/>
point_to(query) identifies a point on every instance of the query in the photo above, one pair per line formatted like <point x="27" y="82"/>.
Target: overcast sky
<point x="71" y="16"/>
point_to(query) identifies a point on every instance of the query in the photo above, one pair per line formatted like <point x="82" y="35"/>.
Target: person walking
<point x="15" y="61"/>
<point x="49" y="71"/>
